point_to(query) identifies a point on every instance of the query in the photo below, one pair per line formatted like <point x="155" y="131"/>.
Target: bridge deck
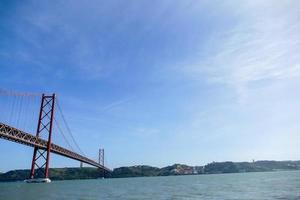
<point x="9" y="133"/>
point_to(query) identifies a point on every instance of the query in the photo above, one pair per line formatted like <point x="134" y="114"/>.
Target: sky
<point x="159" y="82"/>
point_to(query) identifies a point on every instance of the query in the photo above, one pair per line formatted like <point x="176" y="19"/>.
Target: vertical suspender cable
<point x="12" y="110"/>
<point x="68" y="128"/>
<point x="20" y="111"/>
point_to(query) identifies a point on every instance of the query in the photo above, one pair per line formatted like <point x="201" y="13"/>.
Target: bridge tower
<point x="101" y="157"/>
<point x="40" y="159"/>
<point x="101" y="160"/>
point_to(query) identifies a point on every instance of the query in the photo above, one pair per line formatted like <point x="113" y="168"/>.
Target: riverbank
<point x="144" y="171"/>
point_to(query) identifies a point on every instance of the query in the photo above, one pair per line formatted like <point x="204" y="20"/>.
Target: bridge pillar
<point x="101" y="160"/>
<point x="40" y="160"/>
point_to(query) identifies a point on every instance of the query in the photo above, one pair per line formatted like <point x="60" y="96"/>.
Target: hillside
<point x="55" y="174"/>
<point x="135" y="171"/>
<point x="258" y="166"/>
<point x="143" y="170"/>
<point x="211" y="168"/>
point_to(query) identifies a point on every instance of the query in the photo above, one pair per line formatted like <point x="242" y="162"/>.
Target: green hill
<point x="143" y="170"/>
<point x="56" y="174"/>
<point x="135" y="171"/>
<point x="258" y="166"/>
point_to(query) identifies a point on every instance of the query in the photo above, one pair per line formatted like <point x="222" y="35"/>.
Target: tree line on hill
<point x="143" y="170"/>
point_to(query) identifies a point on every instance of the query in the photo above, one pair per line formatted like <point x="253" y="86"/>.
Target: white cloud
<point x="263" y="46"/>
<point x="116" y="104"/>
<point x="144" y="132"/>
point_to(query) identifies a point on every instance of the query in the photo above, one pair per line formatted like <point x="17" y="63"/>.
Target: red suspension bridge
<point x="17" y="112"/>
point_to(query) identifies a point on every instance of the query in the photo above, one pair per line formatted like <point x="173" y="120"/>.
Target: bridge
<point x="41" y="142"/>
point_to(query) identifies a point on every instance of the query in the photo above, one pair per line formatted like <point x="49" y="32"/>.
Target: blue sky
<point x="160" y="82"/>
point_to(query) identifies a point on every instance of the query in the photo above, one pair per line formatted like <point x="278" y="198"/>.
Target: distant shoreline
<point x="148" y="171"/>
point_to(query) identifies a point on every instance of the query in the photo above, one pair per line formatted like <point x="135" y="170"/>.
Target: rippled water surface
<point x="269" y="185"/>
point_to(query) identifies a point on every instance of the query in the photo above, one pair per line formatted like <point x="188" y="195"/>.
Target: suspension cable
<point x="68" y="128"/>
<point x="61" y="132"/>
<point x="13" y="93"/>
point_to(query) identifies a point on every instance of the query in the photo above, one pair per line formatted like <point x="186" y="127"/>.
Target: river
<point x="260" y="186"/>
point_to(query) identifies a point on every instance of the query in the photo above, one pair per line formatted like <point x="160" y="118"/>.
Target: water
<point x="269" y="185"/>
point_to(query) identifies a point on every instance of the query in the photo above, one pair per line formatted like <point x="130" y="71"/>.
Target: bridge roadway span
<point x="12" y="134"/>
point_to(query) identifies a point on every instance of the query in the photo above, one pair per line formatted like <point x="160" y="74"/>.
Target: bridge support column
<point x="101" y="160"/>
<point x="41" y="157"/>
